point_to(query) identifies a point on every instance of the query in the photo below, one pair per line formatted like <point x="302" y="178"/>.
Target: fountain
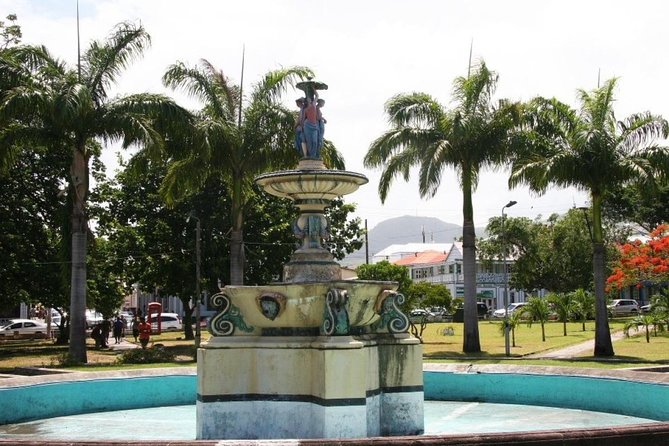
<point x="334" y="354"/>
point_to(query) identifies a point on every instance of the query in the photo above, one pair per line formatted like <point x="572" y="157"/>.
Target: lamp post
<point x="507" y="347"/>
<point x="198" y="334"/>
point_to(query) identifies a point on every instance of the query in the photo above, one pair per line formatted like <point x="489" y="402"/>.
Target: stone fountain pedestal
<point x="309" y="387"/>
<point x="313" y="356"/>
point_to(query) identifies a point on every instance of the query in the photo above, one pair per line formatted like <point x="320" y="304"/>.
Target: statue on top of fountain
<point x="310" y="124"/>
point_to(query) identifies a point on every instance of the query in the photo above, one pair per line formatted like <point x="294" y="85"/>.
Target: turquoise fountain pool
<point x="459" y="400"/>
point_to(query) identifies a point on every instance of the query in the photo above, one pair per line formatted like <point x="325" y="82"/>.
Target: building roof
<point x="395" y="252"/>
<point x="422" y="258"/>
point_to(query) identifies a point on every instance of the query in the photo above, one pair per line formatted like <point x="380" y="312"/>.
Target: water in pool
<point x="441" y="417"/>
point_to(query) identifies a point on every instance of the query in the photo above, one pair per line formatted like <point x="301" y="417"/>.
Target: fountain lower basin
<point x="641" y="394"/>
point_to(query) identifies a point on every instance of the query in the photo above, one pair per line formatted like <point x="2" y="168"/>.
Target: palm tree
<point x="660" y="306"/>
<point x="472" y="136"/>
<point x="538" y="310"/>
<point x="563" y="307"/>
<point x="590" y="150"/>
<point x="232" y="142"/>
<point x="51" y="105"/>
<point x="514" y="320"/>
<point x="642" y="320"/>
<point x="583" y="305"/>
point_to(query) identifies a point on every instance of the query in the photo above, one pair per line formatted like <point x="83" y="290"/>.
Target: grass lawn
<point x="527" y="339"/>
<point x="635" y="347"/>
<point x="437" y="347"/>
<point x="43" y="353"/>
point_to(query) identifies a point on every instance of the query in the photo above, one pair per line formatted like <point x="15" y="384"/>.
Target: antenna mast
<point x="241" y="88"/>
<point x="471" y="48"/>
<point x="78" y="45"/>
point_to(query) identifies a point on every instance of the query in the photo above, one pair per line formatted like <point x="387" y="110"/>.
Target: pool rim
<point x="645" y="433"/>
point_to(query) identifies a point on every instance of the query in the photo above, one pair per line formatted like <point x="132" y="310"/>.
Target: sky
<point x="368" y="51"/>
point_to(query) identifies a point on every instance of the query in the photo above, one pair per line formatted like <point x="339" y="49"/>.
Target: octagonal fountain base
<point x="259" y="387"/>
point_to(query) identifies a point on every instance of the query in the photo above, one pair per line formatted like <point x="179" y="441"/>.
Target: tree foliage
<point x="10" y="33"/>
<point x="647" y="206"/>
<point x="31" y="220"/>
<point x="583" y="306"/>
<point x="474" y="135"/>
<point x="47" y="104"/>
<point x="643" y="262"/>
<point x="232" y="140"/>
<point x="426" y="294"/>
<point x="552" y="254"/>
<point x="537" y="310"/>
<point x="385" y="270"/>
<point x="591" y="150"/>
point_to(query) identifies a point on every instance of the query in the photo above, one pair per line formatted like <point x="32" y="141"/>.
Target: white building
<point x="442" y="263"/>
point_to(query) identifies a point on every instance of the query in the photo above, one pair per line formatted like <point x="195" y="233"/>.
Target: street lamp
<point x="198" y="335"/>
<point x="507" y="347"/>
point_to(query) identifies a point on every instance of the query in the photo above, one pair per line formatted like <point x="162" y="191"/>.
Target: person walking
<point x="119" y="325"/>
<point x="106" y="329"/>
<point x="135" y="327"/>
<point x="96" y="334"/>
<point x="144" y="332"/>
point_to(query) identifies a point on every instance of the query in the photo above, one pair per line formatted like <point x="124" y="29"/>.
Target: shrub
<point x="146" y="356"/>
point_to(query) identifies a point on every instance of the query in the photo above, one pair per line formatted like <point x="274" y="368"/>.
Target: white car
<point x="621" y="307"/>
<point x="419" y="314"/>
<point x="499" y="314"/>
<point x="23" y="327"/>
<point x="168" y="321"/>
<point x="93" y="318"/>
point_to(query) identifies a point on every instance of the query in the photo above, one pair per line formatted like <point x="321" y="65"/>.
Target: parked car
<point x="499" y="314"/>
<point x="168" y="321"/>
<point x="93" y="318"/>
<point x="420" y="313"/>
<point x="24" y="327"/>
<point x="646" y="308"/>
<point x="620" y="307"/>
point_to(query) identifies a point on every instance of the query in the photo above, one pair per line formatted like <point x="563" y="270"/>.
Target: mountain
<point x="407" y="229"/>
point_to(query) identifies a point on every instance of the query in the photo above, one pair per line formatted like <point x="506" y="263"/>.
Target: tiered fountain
<point x="313" y="356"/>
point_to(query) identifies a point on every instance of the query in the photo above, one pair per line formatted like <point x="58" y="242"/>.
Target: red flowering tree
<point x="640" y="262"/>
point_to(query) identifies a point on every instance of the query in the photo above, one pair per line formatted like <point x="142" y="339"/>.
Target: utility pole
<point x="507" y="347"/>
<point x="197" y="285"/>
<point x="366" y="244"/>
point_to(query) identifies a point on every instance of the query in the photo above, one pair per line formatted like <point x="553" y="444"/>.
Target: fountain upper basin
<point x="247" y="310"/>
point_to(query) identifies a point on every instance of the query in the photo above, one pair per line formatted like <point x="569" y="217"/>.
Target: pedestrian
<point x="135" y="327"/>
<point x="118" y="329"/>
<point x="106" y="329"/>
<point x="144" y="332"/>
<point x="96" y="334"/>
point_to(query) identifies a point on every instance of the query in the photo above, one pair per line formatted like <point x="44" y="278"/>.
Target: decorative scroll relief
<point x="392" y="319"/>
<point x="228" y="317"/>
<point x="335" y="317"/>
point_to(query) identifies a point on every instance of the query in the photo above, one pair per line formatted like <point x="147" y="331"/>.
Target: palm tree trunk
<point x="471" y="342"/>
<point x="543" y="333"/>
<point x="237" y="234"/>
<point x="603" y="344"/>
<point x="564" y="328"/>
<point x="79" y="187"/>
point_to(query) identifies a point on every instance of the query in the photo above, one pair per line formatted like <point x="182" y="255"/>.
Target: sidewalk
<point x="573" y="350"/>
<point x="124" y="345"/>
